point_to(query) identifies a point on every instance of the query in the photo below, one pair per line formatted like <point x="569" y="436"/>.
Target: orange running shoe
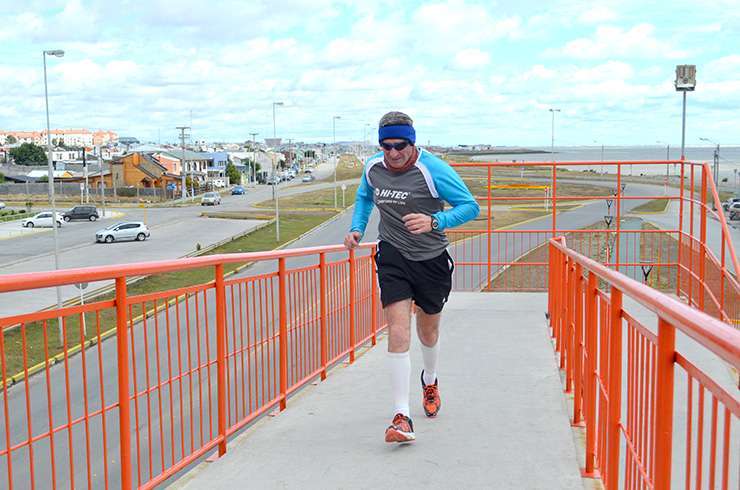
<point x="431" y="401"/>
<point x="400" y="430"/>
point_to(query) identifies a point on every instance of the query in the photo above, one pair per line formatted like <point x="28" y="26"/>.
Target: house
<point x="140" y="169"/>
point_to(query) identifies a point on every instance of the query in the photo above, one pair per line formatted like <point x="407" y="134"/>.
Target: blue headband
<point x="400" y="131"/>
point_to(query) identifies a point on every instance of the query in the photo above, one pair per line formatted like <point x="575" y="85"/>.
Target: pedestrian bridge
<point x="584" y="376"/>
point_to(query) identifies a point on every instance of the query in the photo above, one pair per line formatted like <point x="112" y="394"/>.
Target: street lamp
<point x="685" y="82"/>
<point x="552" y="132"/>
<point x="59" y="54"/>
<point x="334" y="147"/>
<point x="715" y="168"/>
<point x="254" y="158"/>
<point x="275" y="193"/>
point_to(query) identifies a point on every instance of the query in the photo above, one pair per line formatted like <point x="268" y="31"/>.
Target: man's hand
<point x="352" y="239"/>
<point x="418" y="223"/>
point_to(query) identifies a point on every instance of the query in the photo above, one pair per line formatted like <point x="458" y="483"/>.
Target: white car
<point x="2" y="205"/>
<point x="42" y="220"/>
<point x="733" y="212"/>
<point x="211" y="199"/>
<point x="128" y="230"/>
<point x="725" y="205"/>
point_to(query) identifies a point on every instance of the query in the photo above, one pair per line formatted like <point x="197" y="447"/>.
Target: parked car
<point x="2" y="205"/>
<point x="238" y="191"/>
<point x="308" y="178"/>
<point x="220" y="183"/>
<point x="128" y="230"/>
<point x="42" y="220"/>
<point x="210" y="198"/>
<point x="734" y="211"/>
<point x="725" y="205"/>
<point x="274" y="180"/>
<point x="81" y="212"/>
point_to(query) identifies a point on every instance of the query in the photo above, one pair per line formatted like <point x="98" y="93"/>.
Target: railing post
<point x="282" y="280"/>
<point x="373" y="297"/>
<point x="589" y="405"/>
<point x="578" y="351"/>
<point x="618" y="214"/>
<point x="615" y="389"/>
<point x="323" y="299"/>
<point x="490" y="231"/>
<point x="124" y="409"/>
<point x="221" y="356"/>
<point x="680" y="233"/>
<point x="664" y="404"/>
<point x="703" y="237"/>
<point x="352" y="304"/>
<point x="569" y="334"/>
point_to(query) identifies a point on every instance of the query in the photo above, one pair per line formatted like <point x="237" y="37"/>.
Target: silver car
<point x="210" y="198"/>
<point x="42" y="219"/>
<point x="129" y="230"/>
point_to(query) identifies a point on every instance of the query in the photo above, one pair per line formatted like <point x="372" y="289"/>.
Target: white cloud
<point x="597" y="14"/>
<point x="607" y="42"/>
<point x="468" y="59"/>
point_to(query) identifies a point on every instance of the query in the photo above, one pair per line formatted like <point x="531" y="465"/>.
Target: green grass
<point x="319" y="200"/>
<point x="348" y="167"/>
<point x="291" y="226"/>
<point x="653" y="206"/>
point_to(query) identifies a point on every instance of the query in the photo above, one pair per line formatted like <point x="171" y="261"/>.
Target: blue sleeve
<point x="363" y="205"/>
<point x="452" y="189"/>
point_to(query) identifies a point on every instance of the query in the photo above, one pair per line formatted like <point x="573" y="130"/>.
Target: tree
<point x="233" y="174"/>
<point x="28" y="154"/>
<point x="2" y="178"/>
<point x="10" y="140"/>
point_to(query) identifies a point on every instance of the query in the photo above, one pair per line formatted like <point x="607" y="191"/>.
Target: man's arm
<point x="452" y="189"/>
<point x="363" y="206"/>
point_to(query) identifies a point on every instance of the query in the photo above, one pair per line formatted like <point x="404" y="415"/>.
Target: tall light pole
<point x="59" y="54"/>
<point x="685" y="82"/>
<point x="552" y="132"/>
<point x="183" y="182"/>
<point x="715" y="168"/>
<point x="334" y="149"/>
<point x="275" y="191"/>
<point x="254" y="157"/>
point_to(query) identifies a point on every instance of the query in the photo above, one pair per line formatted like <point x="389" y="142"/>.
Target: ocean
<point x="729" y="162"/>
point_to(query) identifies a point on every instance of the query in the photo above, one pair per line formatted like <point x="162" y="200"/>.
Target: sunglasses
<point x="394" y="146"/>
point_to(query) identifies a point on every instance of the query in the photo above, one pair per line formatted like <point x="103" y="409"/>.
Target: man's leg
<point x="427" y="328"/>
<point x="398" y="315"/>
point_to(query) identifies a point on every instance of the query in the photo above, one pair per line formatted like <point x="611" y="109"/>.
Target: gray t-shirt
<point x="423" y="189"/>
<point x="399" y="194"/>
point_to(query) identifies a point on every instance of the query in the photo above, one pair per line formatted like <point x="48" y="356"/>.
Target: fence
<point x="622" y="374"/>
<point x="193" y="365"/>
<point x="96" y="192"/>
<point x="686" y="255"/>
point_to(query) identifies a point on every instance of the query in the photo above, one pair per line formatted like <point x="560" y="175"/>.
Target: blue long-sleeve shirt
<point x="421" y="189"/>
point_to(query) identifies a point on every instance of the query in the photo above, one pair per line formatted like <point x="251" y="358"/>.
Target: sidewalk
<point x="503" y="422"/>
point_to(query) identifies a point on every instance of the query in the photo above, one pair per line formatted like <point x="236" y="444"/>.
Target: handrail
<point x="35" y="280"/>
<point x="716" y="335"/>
<point x="722" y="220"/>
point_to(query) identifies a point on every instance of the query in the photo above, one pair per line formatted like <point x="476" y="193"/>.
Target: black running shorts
<point x="427" y="282"/>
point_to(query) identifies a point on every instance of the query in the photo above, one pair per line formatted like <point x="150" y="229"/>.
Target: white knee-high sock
<point x="430" y="355"/>
<point x="400" y="363"/>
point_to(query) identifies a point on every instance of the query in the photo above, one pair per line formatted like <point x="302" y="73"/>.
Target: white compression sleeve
<point x="431" y="356"/>
<point x="400" y="363"/>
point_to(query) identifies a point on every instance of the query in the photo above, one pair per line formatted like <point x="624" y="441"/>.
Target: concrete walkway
<point x="503" y="422"/>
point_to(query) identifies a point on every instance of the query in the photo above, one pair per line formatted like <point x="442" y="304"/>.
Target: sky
<point x="467" y="72"/>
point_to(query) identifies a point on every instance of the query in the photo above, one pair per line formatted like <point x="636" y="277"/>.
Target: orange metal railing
<point x="622" y="373"/>
<point x="192" y="365"/>
<point x="692" y="256"/>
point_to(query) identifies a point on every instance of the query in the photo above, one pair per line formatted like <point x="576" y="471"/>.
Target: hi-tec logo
<point x="391" y="194"/>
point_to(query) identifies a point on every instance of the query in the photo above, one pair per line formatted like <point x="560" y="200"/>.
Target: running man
<point x="408" y="185"/>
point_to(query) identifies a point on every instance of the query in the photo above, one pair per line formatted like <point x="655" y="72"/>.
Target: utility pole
<point x="334" y="148"/>
<point x="552" y="133"/>
<point x="84" y="171"/>
<point x="183" y="182"/>
<point x="102" y="177"/>
<point x="254" y="157"/>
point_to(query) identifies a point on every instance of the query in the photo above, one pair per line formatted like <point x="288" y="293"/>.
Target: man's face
<point x="397" y="158"/>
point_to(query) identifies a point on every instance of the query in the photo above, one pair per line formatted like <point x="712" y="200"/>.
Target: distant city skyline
<point x="468" y="72"/>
